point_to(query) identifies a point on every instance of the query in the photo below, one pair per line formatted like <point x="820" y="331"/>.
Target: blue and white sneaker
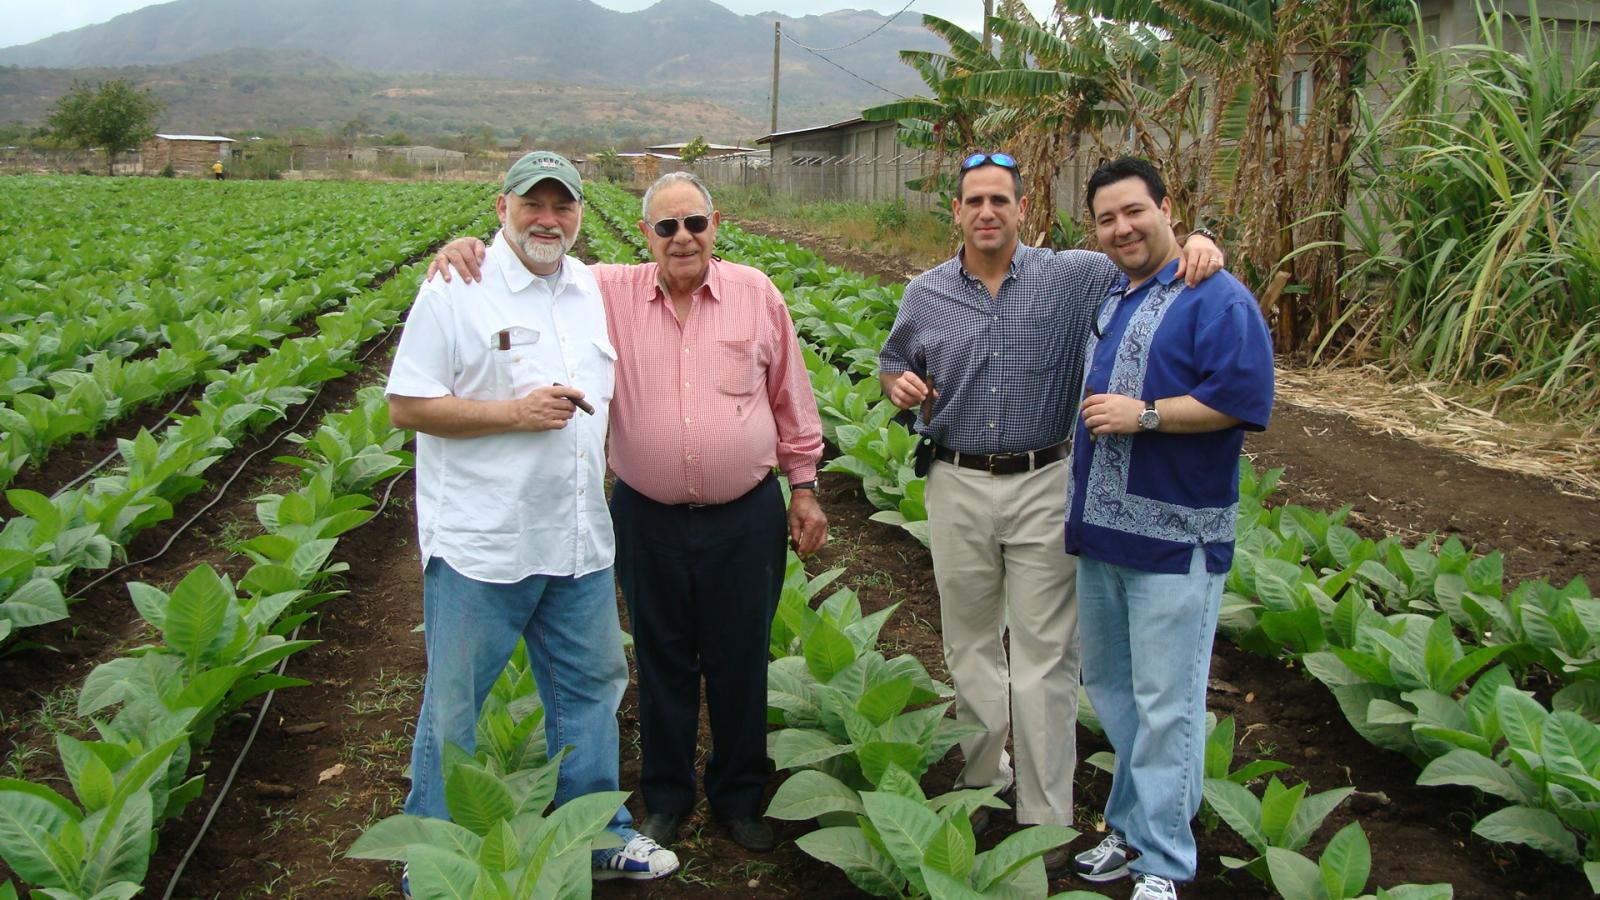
<point x="641" y="859"/>
<point x="405" y="881"/>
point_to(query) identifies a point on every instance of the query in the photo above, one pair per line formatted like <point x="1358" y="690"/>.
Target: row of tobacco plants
<point x="218" y="644"/>
<point x="855" y="729"/>
<point x="1434" y="207"/>
<point x="152" y="307"/>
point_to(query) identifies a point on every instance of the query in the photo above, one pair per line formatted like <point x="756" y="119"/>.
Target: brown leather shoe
<point x="1057" y="862"/>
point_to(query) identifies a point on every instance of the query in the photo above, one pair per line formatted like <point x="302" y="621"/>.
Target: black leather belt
<point x="1002" y="463"/>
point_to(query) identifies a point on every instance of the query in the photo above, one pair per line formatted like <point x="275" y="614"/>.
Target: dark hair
<point x="1121" y="169"/>
<point x="1016" y="179"/>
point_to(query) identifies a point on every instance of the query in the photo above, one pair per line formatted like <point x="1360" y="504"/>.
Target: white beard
<point x="540" y="253"/>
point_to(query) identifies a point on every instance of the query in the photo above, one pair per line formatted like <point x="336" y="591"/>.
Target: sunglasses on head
<point x="1004" y="160"/>
<point x="668" y="227"/>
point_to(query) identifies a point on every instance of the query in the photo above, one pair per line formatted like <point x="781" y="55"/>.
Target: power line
<point x="842" y="68"/>
<point x="857" y="40"/>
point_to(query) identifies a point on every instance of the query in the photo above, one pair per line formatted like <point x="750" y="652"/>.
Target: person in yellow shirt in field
<point x="216" y="169"/>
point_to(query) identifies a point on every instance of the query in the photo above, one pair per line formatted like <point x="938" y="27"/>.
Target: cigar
<point x="578" y="402"/>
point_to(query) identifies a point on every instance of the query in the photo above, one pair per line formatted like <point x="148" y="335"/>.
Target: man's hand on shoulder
<point x="1200" y="259"/>
<point x="905" y="389"/>
<point x="808" y="527"/>
<point x="466" y="254"/>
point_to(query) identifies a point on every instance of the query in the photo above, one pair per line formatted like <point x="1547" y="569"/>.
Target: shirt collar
<point x="517" y="276"/>
<point x="712" y="284"/>
<point x="1166" y="275"/>
<point x="1011" y="267"/>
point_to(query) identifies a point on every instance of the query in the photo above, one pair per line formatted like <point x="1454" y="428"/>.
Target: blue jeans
<point x="574" y="648"/>
<point x="1146" y="654"/>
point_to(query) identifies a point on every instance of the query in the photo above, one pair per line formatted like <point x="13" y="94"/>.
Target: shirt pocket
<point x="739" y="369"/>
<point x="516" y="365"/>
<point x="602" y="377"/>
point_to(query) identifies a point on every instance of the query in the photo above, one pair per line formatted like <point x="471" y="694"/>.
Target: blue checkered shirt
<point x="1007" y="368"/>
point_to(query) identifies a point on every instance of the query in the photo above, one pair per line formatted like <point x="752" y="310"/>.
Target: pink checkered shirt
<point x="705" y="409"/>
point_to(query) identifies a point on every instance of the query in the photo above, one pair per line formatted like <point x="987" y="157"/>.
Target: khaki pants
<point x="998" y="561"/>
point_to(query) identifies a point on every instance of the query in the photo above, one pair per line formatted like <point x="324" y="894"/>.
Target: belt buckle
<point x="997" y="457"/>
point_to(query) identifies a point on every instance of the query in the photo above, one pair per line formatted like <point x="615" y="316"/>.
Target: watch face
<point x="1149" y="420"/>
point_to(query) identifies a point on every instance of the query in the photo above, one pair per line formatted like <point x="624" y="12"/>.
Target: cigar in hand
<point x="579" y="402"/>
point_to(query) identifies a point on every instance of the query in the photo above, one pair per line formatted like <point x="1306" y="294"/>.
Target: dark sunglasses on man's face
<point x="1004" y="160"/>
<point x="668" y="227"/>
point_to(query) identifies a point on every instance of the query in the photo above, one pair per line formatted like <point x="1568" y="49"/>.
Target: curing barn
<point x="188" y="154"/>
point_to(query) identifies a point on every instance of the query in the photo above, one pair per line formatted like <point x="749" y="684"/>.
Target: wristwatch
<point x="1150" y="420"/>
<point x="1205" y="233"/>
<point x="804" y="486"/>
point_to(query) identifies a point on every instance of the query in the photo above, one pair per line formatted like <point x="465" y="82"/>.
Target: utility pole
<point x="777" y="34"/>
<point x="988" y="36"/>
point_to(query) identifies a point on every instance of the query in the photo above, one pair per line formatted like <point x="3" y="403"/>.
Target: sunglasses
<point x="668" y="227"/>
<point x="1004" y="160"/>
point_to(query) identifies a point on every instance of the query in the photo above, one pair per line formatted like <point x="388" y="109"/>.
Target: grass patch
<point x="891" y="228"/>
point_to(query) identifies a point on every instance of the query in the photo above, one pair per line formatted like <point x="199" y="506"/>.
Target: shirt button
<point x="997" y="318"/>
<point x="991" y="424"/>
<point x="517" y="358"/>
<point x="580" y="492"/>
<point x="563" y="340"/>
<point x="687" y="420"/>
<point x="686" y="384"/>
<point x="995" y="353"/>
<point x="686" y="349"/>
<point x="991" y="390"/>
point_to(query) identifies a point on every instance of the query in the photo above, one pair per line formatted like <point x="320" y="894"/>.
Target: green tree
<point x="694" y="149"/>
<point x="112" y="115"/>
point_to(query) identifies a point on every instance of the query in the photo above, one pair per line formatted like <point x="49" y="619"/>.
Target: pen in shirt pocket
<point x="579" y="402"/>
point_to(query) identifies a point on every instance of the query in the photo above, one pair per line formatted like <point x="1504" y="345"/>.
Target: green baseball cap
<point x="536" y="167"/>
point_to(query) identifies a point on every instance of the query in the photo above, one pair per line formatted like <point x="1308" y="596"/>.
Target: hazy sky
<point x="24" y="21"/>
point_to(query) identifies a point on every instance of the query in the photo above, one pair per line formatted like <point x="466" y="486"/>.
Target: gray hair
<point x="676" y="178"/>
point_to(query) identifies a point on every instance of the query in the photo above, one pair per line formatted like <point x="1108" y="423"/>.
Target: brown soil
<point x="292" y="811"/>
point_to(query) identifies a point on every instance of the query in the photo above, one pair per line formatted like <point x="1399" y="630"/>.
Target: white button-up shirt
<point x="505" y="506"/>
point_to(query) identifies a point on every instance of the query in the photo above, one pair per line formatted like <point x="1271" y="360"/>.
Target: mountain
<point x="277" y="91"/>
<point x="685" y="47"/>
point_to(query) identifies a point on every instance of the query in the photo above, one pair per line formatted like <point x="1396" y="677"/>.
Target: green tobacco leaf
<point x="437" y="874"/>
<point x="391" y="837"/>
<point x="885" y="701"/>
<point x="1015" y="851"/>
<point x="1238" y="807"/>
<point x="1294" y="876"/>
<point x="28" y="813"/>
<point x="123" y="838"/>
<point x="878" y="756"/>
<point x="195" y="612"/>
<point x="1345" y="864"/>
<point x="951" y="849"/>
<point x="905" y="826"/>
<point x="36" y="602"/>
<point x="944" y="887"/>
<point x="1538" y="828"/>
<point x="1310" y="813"/>
<point x="808" y="794"/>
<point x="847" y="848"/>
<point x="827" y="651"/>
<point x="476" y="799"/>
<point x="796" y="748"/>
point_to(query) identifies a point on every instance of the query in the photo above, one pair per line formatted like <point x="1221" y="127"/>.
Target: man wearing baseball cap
<point x="507" y="382"/>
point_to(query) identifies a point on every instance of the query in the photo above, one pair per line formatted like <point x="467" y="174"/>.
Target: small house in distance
<point x="187" y="154"/>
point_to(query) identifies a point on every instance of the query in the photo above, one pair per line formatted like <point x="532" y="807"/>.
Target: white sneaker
<point x="642" y="859"/>
<point x="1153" y="887"/>
<point x="1106" y="861"/>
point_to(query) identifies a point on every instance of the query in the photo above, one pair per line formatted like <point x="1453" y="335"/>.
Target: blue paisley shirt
<point x="1145" y="501"/>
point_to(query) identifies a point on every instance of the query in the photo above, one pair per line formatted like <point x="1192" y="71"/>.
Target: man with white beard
<point x="508" y="382"/>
